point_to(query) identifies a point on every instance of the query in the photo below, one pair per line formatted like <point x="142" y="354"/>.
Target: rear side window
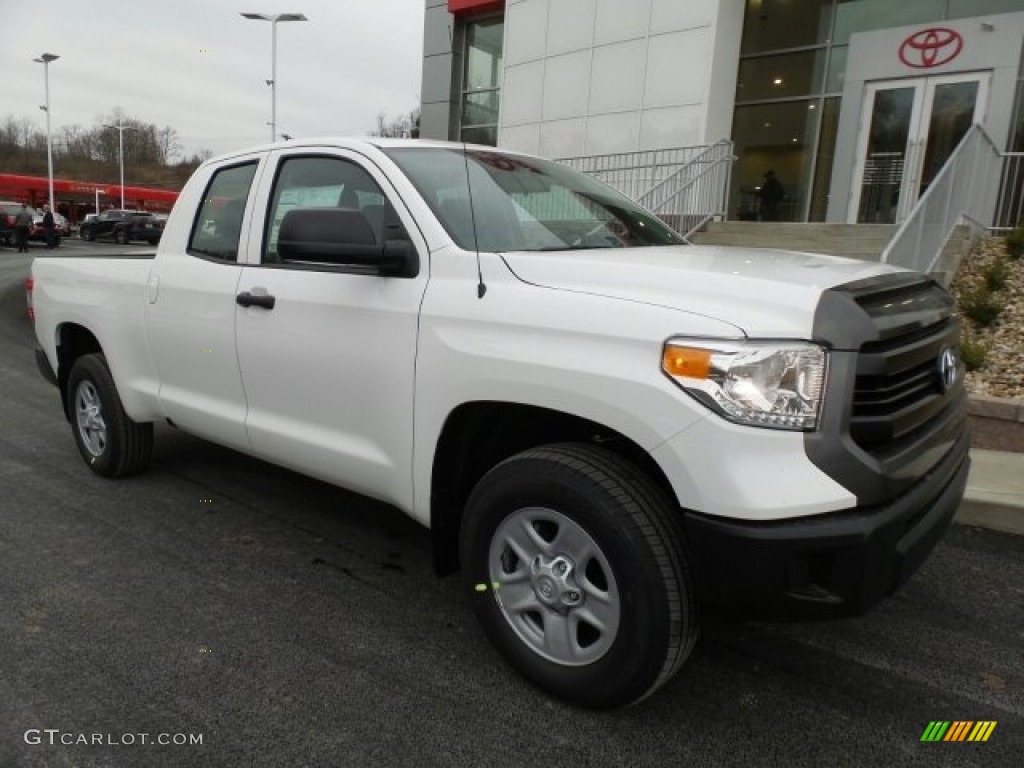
<point x="217" y="228"/>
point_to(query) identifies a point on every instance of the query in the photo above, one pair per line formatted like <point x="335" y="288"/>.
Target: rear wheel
<point x="579" y="573"/>
<point x="87" y="234"/>
<point x="110" y="442"/>
<point x="121" y="237"/>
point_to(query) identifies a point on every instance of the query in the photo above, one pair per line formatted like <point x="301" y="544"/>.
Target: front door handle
<point x="246" y="299"/>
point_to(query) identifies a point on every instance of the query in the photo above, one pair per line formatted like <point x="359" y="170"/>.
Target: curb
<point x="997" y="423"/>
<point x="994" y="517"/>
<point x="994" y="497"/>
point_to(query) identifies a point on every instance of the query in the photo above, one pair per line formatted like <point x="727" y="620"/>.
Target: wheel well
<point x="73" y="341"/>
<point x="477" y="436"/>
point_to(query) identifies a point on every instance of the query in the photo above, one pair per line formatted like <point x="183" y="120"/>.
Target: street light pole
<point x="45" y="60"/>
<point x="121" y="128"/>
<point x="273" y="18"/>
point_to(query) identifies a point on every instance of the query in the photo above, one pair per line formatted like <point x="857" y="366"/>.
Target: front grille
<point x="898" y="391"/>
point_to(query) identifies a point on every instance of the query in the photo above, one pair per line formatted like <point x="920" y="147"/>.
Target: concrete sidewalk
<point x="995" y="492"/>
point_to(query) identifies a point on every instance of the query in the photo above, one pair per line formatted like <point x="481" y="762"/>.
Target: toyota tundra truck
<point x="606" y="429"/>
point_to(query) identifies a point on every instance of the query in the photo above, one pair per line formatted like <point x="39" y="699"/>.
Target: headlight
<point x="764" y="384"/>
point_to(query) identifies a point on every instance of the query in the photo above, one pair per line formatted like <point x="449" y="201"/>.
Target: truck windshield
<point x="525" y="203"/>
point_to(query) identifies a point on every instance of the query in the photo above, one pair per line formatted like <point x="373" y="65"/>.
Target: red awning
<point x="14" y="185"/>
<point x="474" y="6"/>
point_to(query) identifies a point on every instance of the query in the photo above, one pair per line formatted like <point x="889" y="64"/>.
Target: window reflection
<point x="772" y="25"/>
<point x="959" y="9"/>
<point x="865" y="15"/>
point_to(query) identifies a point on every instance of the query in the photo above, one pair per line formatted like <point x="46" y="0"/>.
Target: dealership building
<point x="855" y="105"/>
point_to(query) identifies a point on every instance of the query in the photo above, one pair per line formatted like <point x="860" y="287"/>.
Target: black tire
<point x="87" y="234"/>
<point x="638" y="537"/>
<point x="126" y="445"/>
<point x="121" y="236"/>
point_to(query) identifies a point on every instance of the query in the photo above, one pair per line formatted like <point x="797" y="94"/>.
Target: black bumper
<point x="44" y="367"/>
<point x="827" y="566"/>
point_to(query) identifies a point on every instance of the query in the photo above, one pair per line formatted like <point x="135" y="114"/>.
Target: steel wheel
<point x="554" y="586"/>
<point x="89" y="414"/>
<point x="579" y="573"/>
<point x="110" y="442"/>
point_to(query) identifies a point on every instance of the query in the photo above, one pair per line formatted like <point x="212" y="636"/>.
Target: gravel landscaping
<point x="1002" y="373"/>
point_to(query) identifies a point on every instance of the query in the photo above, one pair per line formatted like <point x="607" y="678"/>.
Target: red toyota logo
<point x="931" y="47"/>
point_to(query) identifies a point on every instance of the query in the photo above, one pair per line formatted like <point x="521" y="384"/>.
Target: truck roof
<point x="357" y="142"/>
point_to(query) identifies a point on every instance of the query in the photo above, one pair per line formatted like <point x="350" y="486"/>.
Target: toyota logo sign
<point x="931" y="47"/>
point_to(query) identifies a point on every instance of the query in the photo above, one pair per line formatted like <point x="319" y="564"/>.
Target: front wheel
<point x="110" y="442"/>
<point x="579" y="574"/>
<point x="121" y="237"/>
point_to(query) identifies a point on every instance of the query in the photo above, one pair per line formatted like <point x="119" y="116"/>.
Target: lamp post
<point x="273" y="18"/>
<point x="45" y="60"/>
<point x="121" y="128"/>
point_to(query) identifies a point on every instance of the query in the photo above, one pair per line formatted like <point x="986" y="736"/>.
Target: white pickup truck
<point x="605" y="427"/>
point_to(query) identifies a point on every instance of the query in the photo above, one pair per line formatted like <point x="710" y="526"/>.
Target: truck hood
<point x="762" y="292"/>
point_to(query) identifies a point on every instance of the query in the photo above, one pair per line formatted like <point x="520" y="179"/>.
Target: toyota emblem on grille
<point x="931" y="47"/>
<point x="947" y="369"/>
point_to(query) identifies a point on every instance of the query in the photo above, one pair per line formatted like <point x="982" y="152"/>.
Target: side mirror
<point x="342" y="237"/>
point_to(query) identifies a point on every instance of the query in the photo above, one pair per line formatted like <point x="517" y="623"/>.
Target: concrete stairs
<point x="854" y="241"/>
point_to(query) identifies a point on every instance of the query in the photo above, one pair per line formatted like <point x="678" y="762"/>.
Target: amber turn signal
<point x="689" y="362"/>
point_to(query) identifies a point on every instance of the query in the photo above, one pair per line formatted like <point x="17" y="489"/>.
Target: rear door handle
<point x="246" y="299"/>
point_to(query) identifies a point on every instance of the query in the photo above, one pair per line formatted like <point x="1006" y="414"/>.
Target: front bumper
<point x="826" y="566"/>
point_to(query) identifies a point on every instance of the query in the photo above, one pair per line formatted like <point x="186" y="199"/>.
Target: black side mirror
<point x="342" y="237"/>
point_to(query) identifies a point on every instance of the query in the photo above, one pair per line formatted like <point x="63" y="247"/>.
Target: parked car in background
<point x="123" y="226"/>
<point x="8" y="210"/>
<point x="60" y="223"/>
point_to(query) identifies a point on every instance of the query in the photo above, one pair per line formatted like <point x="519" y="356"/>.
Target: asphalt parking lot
<point x="289" y="623"/>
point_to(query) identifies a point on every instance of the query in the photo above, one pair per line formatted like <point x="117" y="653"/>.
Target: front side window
<point x="492" y="201"/>
<point x="328" y="182"/>
<point x="217" y="229"/>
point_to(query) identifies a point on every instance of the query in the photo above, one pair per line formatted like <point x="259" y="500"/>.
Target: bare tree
<point x="401" y="127"/>
<point x="169" y="144"/>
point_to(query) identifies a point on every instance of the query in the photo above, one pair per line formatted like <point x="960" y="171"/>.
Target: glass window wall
<point x="791" y="75"/>
<point x="481" y="88"/>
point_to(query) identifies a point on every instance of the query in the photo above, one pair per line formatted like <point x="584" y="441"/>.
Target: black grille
<point x="898" y="392"/>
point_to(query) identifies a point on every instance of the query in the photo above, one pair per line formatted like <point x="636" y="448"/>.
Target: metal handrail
<point x="648" y="200"/>
<point x="957" y="193"/>
<point x="685" y="186"/>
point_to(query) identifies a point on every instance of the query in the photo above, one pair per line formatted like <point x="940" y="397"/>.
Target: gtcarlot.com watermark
<point x="55" y="737"/>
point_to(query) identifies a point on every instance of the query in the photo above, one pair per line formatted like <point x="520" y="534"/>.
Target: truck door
<point x="191" y="309"/>
<point x="328" y="351"/>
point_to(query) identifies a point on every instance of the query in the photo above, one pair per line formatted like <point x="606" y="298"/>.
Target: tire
<point x="121" y="236"/>
<point x="87" y="234"/>
<point x="110" y="442"/>
<point x="579" y="574"/>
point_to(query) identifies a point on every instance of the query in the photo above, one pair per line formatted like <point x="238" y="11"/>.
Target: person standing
<point x="49" y="227"/>
<point x="771" y="194"/>
<point x="22" y="225"/>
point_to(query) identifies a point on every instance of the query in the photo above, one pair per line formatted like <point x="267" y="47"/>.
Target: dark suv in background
<point x="123" y="226"/>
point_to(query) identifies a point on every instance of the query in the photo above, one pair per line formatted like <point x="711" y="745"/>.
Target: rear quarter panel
<point x="106" y="296"/>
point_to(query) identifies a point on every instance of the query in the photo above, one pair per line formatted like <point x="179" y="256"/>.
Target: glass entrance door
<point x="908" y="131"/>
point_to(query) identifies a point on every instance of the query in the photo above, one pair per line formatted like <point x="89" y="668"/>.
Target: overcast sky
<point x="199" y="67"/>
